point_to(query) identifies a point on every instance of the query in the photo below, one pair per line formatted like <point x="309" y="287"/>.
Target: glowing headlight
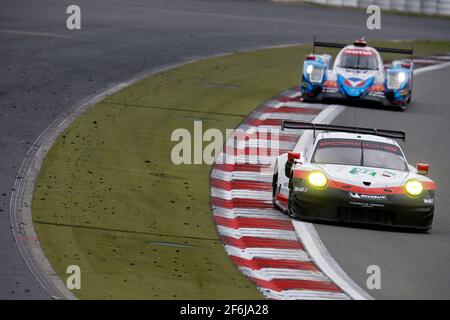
<point x="396" y="80"/>
<point x="317" y="179"/>
<point x="309" y="69"/>
<point x="414" y="187"/>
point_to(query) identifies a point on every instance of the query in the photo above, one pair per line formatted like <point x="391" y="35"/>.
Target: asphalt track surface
<point x="45" y="69"/>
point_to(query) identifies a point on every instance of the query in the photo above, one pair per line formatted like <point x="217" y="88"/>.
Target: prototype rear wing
<point x="379" y="49"/>
<point x="400" y="135"/>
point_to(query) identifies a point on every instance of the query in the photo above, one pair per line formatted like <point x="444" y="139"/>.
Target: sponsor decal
<point x="300" y="189"/>
<point x="367" y="204"/>
<point x="353" y="143"/>
<point x="404" y="92"/>
<point x="377" y="88"/>
<point x="359" y="52"/>
<point x="355" y="82"/>
<point x="388" y="174"/>
<point x="330" y="84"/>
<point x="365" y="171"/>
<point x="361" y="196"/>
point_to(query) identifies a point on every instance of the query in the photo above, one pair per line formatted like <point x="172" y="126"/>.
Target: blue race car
<point x="358" y="73"/>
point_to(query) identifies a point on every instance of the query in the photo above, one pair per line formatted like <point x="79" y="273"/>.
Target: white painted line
<point x="249" y="213"/>
<point x="425" y="61"/>
<point x="272" y="143"/>
<point x="243" y="159"/>
<point x="257" y="233"/>
<point x="273" y="104"/>
<point x="431" y="68"/>
<point x="290" y="93"/>
<point x="240" y="175"/>
<point x="268" y="274"/>
<point x="304" y="295"/>
<point x="267" y="253"/>
<point x="275" y="129"/>
<point x="441" y="58"/>
<point x="241" y="194"/>
<point x="283" y="116"/>
<point x="294" y="105"/>
<point x="315" y="248"/>
<point x="302" y="105"/>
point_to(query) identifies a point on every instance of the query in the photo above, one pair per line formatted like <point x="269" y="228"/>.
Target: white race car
<point x="352" y="174"/>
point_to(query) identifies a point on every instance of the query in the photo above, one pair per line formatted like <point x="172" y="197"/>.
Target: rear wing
<point x="379" y="49"/>
<point x="400" y="135"/>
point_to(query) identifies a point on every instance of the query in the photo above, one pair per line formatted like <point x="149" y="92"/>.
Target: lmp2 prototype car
<point x="358" y="73"/>
<point x="349" y="174"/>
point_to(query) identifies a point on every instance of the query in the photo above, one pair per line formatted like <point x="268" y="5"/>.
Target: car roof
<point x="366" y="137"/>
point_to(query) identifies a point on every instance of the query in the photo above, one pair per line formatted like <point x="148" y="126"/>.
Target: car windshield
<point x="359" y="153"/>
<point x="358" y="59"/>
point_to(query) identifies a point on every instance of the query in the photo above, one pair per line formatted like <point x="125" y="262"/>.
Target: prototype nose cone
<point x="354" y="87"/>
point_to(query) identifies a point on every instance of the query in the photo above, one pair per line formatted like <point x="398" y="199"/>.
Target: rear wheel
<point x="274" y="187"/>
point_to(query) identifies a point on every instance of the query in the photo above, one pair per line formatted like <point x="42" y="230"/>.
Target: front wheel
<point x="402" y="107"/>
<point x="289" y="213"/>
<point x="409" y="97"/>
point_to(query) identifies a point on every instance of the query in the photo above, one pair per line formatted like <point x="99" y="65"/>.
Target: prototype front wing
<point x="376" y="93"/>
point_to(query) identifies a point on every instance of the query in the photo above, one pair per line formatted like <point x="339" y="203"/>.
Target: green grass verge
<point x="109" y="199"/>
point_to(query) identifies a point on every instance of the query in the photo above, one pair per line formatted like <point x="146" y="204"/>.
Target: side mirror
<point x="423" y="168"/>
<point x="292" y="156"/>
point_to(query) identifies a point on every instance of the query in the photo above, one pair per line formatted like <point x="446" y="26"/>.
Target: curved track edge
<point x="20" y="211"/>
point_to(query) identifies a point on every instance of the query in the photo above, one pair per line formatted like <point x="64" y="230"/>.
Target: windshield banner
<point x="352" y="143"/>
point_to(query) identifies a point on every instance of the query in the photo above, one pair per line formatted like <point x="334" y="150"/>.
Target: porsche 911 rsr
<point x="352" y="174"/>
<point x="358" y="73"/>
